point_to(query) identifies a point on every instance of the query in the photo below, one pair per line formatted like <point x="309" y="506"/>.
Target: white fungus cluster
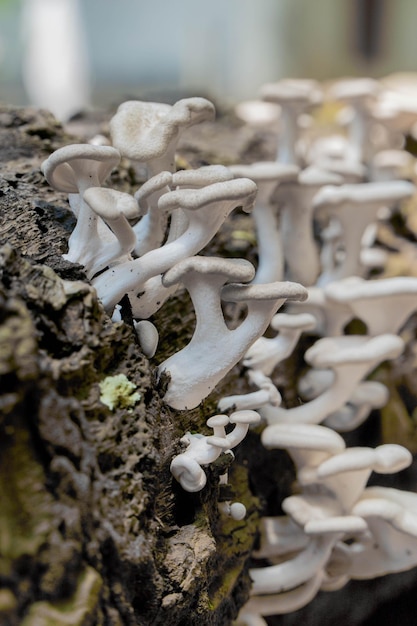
<point x="315" y="212"/>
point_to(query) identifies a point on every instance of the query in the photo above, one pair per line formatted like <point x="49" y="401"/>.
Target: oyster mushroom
<point x="73" y="169"/>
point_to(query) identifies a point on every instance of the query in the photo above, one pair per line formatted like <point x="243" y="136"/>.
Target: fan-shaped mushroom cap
<point x="64" y="168"/>
<point x="345" y="524"/>
<point x="271" y="291"/>
<point x="144" y="131"/>
<point x="385" y="459"/>
<point x="352" y="90"/>
<point x="157" y="184"/>
<point x="232" y="269"/>
<point x="201" y="176"/>
<point x="296" y="321"/>
<point x="294" y="91"/>
<point x="111" y="204"/>
<point x="303" y="437"/>
<point x="329" y="352"/>
<point x="263" y="171"/>
<point x="240" y="190"/>
<point x="384" y="304"/>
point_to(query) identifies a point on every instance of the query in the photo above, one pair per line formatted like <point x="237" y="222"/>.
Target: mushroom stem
<point x="296" y="571"/>
<point x="270" y="254"/>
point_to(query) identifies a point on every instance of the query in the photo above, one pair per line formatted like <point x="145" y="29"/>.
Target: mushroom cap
<point x="201" y="176"/>
<point x="303" y="437"/>
<point x="241" y="190"/>
<point x="354" y="89"/>
<point x="385" y="459"/>
<point x="345" y="168"/>
<point x="270" y="291"/>
<point x="295" y="91"/>
<point x="316" y="176"/>
<point x="245" y="417"/>
<point x="363" y="193"/>
<point x="231" y="269"/>
<point x="153" y="185"/>
<point x="110" y="204"/>
<point x="257" y="112"/>
<point x="356" y="288"/>
<point x="329" y="352"/>
<point x="148" y="337"/>
<point x="218" y="442"/>
<point x="293" y="321"/>
<point x="338" y="524"/>
<point x="217" y="420"/>
<point x="392" y="159"/>
<point x="143" y="131"/>
<point x="266" y="171"/>
<point x="58" y="168"/>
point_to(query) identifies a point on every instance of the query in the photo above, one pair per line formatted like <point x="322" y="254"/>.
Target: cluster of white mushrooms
<point x="315" y="211"/>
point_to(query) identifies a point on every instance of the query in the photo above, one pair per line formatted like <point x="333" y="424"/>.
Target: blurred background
<point x="65" y="55"/>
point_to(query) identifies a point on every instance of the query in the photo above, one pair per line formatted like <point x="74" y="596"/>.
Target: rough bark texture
<point x="93" y="530"/>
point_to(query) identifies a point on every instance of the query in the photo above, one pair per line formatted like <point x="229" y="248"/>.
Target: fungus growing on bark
<point x="351" y="358"/>
<point x="214" y="348"/>
<point x="202" y="450"/>
<point x="73" y="169"/>
<point x="206" y="209"/>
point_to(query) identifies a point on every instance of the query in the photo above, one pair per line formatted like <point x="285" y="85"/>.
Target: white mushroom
<point x="206" y="210"/>
<point x="267" y="394"/>
<point x="148" y="132"/>
<point x="352" y="358"/>
<point x="369" y="395"/>
<point x="266" y="353"/>
<point x="74" y="169"/>
<point x="355" y="207"/>
<point x="391" y="516"/>
<point x="148" y="337"/>
<point x="266" y="214"/>
<point x="214" y="348"/>
<point x="384" y="305"/>
<point x="294" y="96"/>
<point x="359" y="94"/>
<point x="301" y="252"/>
<point x="115" y="208"/>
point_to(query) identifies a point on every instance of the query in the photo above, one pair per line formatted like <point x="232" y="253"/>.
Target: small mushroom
<point x="148" y="337"/>
<point x="267" y="394"/>
<point x="73" y="169"/>
<point x="294" y="96"/>
<point x="115" y="208"/>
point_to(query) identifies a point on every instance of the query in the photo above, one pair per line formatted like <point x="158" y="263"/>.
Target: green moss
<point x="78" y="610"/>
